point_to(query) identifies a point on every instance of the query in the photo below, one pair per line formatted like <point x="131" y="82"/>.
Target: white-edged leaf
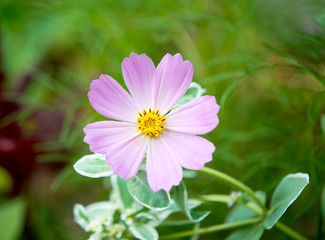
<point x="154" y="218"/>
<point x="93" y="166"/>
<point x="284" y="195"/>
<point x="254" y="232"/>
<point x="120" y="188"/>
<point x="92" y="217"/>
<point x="189" y="174"/>
<point x="194" y="91"/>
<point x="180" y="197"/>
<point x="99" y="236"/>
<point x="80" y="216"/>
<point x="140" y="190"/>
<point x="143" y="232"/>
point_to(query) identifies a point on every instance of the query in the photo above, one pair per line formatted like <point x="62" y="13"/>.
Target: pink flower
<point x="147" y="125"/>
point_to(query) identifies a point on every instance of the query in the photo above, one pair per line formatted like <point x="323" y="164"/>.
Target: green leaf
<point x="284" y="195"/>
<point x="92" y="217"/>
<point x="194" y="91"/>
<point x="140" y="190"/>
<point x="80" y="216"/>
<point x="155" y="218"/>
<point x="254" y="232"/>
<point x="93" y="166"/>
<point x="239" y="212"/>
<point x="180" y="196"/>
<point x="189" y="174"/>
<point x="100" y="236"/>
<point x="243" y="211"/>
<point x="120" y="187"/>
<point x="144" y="232"/>
<point x="12" y="216"/>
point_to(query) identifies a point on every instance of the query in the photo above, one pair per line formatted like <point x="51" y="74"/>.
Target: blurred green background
<point x="264" y="60"/>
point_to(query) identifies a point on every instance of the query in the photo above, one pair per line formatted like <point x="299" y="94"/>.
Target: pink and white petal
<point x="109" y="99"/>
<point x="139" y="73"/>
<point x="163" y="167"/>
<point x="193" y="152"/>
<point x="126" y="157"/>
<point x="102" y="135"/>
<point x="173" y="78"/>
<point x="198" y="116"/>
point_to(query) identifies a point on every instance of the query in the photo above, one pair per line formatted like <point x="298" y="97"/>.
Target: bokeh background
<point x="262" y="59"/>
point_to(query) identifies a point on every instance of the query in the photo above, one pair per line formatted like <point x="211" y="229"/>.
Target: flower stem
<point x="289" y="231"/>
<point x="235" y="183"/>
<point x="215" y="228"/>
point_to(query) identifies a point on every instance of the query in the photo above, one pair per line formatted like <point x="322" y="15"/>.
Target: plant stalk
<point x="215" y="228"/>
<point x="289" y="231"/>
<point x="235" y="183"/>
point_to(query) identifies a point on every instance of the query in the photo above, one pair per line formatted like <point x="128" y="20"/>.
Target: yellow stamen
<point x="151" y="123"/>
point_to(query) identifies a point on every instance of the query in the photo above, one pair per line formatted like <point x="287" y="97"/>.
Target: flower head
<point x="145" y="122"/>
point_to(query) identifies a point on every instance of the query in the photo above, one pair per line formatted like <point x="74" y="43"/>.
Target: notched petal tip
<point x="179" y="57"/>
<point x="134" y="56"/>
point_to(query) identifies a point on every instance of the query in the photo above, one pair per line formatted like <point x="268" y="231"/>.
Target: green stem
<point x="289" y="231"/>
<point x="235" y="183"/>
<point x="225" y="199"/>
<point x="222" y="198"/>
<point x="215" y="228"/>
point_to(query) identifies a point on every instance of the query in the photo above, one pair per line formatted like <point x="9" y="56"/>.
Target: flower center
<point x="151" y="123"/>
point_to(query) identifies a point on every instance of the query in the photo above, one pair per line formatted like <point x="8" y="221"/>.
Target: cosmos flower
<point x="145" y="123"/>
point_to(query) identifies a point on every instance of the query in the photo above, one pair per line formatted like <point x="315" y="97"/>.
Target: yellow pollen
<point x="151" y="123"/>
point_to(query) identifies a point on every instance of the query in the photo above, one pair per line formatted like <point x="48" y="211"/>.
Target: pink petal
<point x="109" y="99"/>
<point x="198" y="116"/>
<point x="126" y="157"/>
<point x="163" y="167"/>
<point x="192" y="151"/>
<point x="102" y="135"/>
<point x="138" y="72"/>
<point x="173" y="79"/>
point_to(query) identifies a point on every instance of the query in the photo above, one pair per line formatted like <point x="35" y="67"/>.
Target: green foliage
<point x="93" y="166"/>
<point x="180" y="197"/>
<point x="122" y="192"/>
<point x="122" y="215"/>
<point x="253" y="232"/>
<point x="194" y="91"/>
<point x="263" y="60"/>
<point x="144" y="232"/>
<point x="139" y="188"/>
<point x="284" y="195"/>
<point x="245" y="208"/>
